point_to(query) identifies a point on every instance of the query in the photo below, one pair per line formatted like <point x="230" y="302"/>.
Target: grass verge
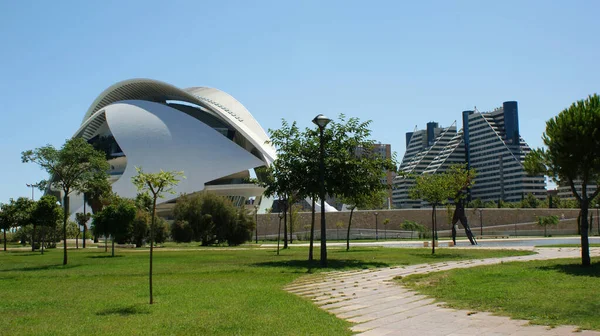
<point x="567" y="245"/>
<point x="213" y="291"/>
<point x="551" y="292"/>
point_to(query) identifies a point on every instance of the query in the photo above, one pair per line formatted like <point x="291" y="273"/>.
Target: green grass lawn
<point x="567" y="245"/>
<point x="213" y="291"/>
<point x="553" y="292"/>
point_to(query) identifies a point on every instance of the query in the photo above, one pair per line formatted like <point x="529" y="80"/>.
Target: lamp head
<point x="321" y="121"/>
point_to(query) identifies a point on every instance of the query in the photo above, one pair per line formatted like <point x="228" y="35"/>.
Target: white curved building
<point x="204" y="132"/>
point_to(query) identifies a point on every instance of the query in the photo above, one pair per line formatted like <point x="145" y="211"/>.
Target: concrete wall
<point x="495" y="221"/>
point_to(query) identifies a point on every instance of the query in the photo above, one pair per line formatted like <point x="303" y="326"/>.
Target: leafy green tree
<point x="140" y="227"/>
<point x="531" y="201"/>
<point x="69" y="167"/>
<point x="82" y="218"/>
<point x="157" y="184"/>
<point x="46" y="213"/>
<point x="116" y="220"/>
<point x="5" y="221"/>
<point x="281" y="179"/>
<point x="18" y="213"/>
<point x="181" y="231"/>
<point x="366" y="200"/>
<point x="545" y="221"/>
<point x="435" y="189"/>
<point x="212" y="218"/>
<point x="572" y="155"/>
<point x="413" y="226"/>
<point x="161" y="231"/>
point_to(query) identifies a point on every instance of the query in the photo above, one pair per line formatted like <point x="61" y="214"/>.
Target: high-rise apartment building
<point x="489" y="142"/>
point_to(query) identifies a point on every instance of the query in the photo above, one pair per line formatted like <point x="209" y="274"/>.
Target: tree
<point x="157" y="184"/>
<point x="5" y="221"/>
<point x="281" y="179"/>
<point x="413" y="226"/>
<point x="545" y="221"/>
<point x="385" y="224"/>
<point x="140" y="227"/>
<point x="116" y="220"/>
<point x="69" y="168"/>
<point x="82" y="218"/>
<point x="572" y="155"/>
<point x="212" y="218"/>
<point x="46" y="213"/>
<point x="363" y="200"/>
<point x="435" y="189"/>
<point x="18" y="213"/>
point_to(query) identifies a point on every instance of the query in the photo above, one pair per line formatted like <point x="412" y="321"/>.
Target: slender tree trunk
<point x="152" y="245"/>
<point x="291" y="223"/>
<point x="84" y="234"/>
<point x="33" y="238"/>
<point x="585" y="244"/>
<point x="349" y="225"/>
<point x="285" y="239"/>
<point x="77" y="239"/>
<point x="278" y="235"/>
<point x="84" y="225"/>
<point x="112" y="253"/>
<point x="65" y="217"/>
<point x="43" y="239"/>
<point x="312" y="232"/>
<point x="105" y="242"/>
<point x="5" y="231"/>
<point x="433" y="230"/>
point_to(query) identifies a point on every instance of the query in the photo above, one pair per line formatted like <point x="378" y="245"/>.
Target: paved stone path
<point x="378" y="306"/>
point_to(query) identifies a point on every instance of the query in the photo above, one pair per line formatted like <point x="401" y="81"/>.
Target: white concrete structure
<point x="204" y="132"/>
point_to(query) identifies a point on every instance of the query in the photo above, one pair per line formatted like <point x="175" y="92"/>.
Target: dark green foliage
<point x="181" y="231"/>
<point x="17" y="214"/>
<point x="572" y="155"/>
<point x="70" y="167"/>
<point x="212" y="219"/>
<point x="116" y="220"/>
<point x="240" y="230"/>
<point x="161" y="230"/>
<point x="545" y="221"/>
<point x="140" y="228"/>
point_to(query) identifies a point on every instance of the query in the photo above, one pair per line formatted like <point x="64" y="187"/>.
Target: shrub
<point x="140" y="228"/>
<point x="181" y="231"/>
<point x="213" y="218"/>
<point x="161" y="230"/>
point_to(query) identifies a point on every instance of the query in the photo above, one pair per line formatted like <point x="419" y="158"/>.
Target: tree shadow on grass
<point x="575" y="269"/>
<point x="302" y="266"/>
<point x="124" y="311"/>
<point x="104" y="256"/>
<point x="40" y="268"/>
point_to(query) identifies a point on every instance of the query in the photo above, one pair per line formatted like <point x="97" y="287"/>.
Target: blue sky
<point x="397" y="63"/>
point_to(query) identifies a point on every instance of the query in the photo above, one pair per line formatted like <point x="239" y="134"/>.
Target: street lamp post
<point x="597" y="216"/>
<point x="279" y="231"/>
<point x="376" y="227"/>
<point x="256" y="221"/>
<point x="32" y="186"/>
<point x="322" y="121"/>
<point x="480" y="222"/>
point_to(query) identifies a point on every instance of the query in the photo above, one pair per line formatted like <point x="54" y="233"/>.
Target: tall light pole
<point x="256" y="221"/>
<point x="480" y="223"/>
<point x="376" y="227"/>
<point x="32" y="186"/>
<point x="322" y="121"/>
<point x="597" y="216"/>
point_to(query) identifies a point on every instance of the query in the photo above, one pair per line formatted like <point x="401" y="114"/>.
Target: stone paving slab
<point x="379" y="306"/>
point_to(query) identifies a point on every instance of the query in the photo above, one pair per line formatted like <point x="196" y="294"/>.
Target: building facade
<point x="489" y="142"/>
<point x="204" y="132"/>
